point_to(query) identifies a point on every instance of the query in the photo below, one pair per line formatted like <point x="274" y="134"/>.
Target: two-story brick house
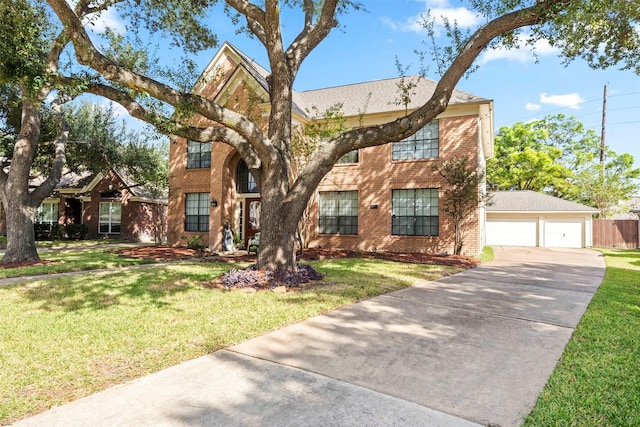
<point x="379" y="198"/>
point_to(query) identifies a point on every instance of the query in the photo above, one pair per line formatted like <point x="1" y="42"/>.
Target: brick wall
<point x="137" y="217"/>
<point x="376" y="175"/>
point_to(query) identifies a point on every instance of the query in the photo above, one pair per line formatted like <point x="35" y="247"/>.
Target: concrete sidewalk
<point x="476" y="347"/>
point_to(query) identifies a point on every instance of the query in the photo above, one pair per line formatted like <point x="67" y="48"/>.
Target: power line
<point x="559" y="109"/>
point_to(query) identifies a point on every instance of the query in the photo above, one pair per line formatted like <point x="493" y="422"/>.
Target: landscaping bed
<point x="170" y="253"/>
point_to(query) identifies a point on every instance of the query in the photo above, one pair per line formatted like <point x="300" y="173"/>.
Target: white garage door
<point x="564" y="233"/>
<point x="512" y="232"/>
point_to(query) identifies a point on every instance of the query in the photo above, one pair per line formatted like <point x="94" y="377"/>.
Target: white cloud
<point x="532" y="107"/>
<point x="523" y="52"/>
<point x="118" y="110"/>
<point x="109" y="18"/>
<point x="569" y="100"/>
<point x="438" y="9"/>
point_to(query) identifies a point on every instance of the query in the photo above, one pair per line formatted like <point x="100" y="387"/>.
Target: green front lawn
<point x="66" y="260"/>
<point x="597" y="382"/>
<point x="61" y="339"/>
<point x="78" y="243"/>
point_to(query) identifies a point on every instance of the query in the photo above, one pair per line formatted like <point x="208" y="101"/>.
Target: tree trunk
<point x="278" y="223"/>
<point x="19" y="206"/>
<point x="277" y="241"/>
<point x="21" y="242"/>
<point x="457" y="246"/>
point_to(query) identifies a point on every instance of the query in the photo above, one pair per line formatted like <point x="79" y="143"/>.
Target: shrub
<point x="58" y="232"/>
<point x="77" y="231"/>
<point x="195" y="242"/>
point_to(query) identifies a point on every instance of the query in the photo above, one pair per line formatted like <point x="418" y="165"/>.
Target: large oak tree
<point x="42" y="132"/>
<point x="602" y="33"/>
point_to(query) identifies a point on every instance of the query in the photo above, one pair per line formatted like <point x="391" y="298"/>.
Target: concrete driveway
<point x="473" y="348"/>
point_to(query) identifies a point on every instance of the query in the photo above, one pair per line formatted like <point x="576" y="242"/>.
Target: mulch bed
<point x="169" y="253"/>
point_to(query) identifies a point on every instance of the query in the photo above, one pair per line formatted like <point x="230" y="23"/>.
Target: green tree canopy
<point x="558" y="156"/>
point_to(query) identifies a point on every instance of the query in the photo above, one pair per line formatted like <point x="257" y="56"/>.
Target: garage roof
<point x="531" y="201"/>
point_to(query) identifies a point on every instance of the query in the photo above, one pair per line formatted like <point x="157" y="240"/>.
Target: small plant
<point x="195" y="242"/>
<point x="237" y="240"/>
<point x="3" y="242"/>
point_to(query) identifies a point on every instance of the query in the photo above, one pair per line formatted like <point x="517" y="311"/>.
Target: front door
<point x="253" y="208"/>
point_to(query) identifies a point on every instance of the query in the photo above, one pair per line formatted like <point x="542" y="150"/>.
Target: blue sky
<point x="367" y="45"/>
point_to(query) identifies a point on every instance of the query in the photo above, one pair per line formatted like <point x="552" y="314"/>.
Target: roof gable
<point x="357" y="99"/>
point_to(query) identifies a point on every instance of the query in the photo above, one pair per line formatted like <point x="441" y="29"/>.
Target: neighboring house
<point x="627" y="209"/>
<point x="110" y="204"/>
<point x="528" y="218"/>
<point x="379" y="198"/>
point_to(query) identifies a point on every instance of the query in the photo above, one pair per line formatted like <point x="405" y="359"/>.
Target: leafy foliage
<point x="463" y="193"/>
<point x="195" y="242"/>
<point x="25" y="32"/>
<point x="525" y="160"/>
<point x="558" y="156"/>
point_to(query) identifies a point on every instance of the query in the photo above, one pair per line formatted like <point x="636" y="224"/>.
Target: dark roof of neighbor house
<point x="79" y="181"/>
<point x="531" y="201"/>
<point x="75" y="180"/>
<point x="360" y="98"/>
<point x="628" y="209"/>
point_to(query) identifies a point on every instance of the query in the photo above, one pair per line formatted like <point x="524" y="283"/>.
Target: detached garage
<point x="527" y="218"/>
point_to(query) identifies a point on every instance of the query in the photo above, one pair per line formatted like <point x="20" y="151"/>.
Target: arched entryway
<point x="249" y="205"/>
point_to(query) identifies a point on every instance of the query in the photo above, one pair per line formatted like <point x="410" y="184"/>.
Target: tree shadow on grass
<point x="97" y="291"/>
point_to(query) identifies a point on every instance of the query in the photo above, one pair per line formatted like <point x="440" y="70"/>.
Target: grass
<point x="64" y="261"/>
<point x="77" y="243"/>
<point x="597" y="382"/>
<point x="61" y="339"/>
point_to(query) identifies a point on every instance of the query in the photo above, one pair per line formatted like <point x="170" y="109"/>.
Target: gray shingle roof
<point x="376" y="96"/>
<point x="531" y="201"/>
<point x="360" y="98"/>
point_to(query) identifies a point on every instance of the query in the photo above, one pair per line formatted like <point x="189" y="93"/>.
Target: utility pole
<point x="602" y="137"/>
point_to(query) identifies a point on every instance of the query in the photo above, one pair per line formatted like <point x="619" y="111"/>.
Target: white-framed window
<point x="198" y="155"/>
<point x="110" y="217"/>
<point x="338" y="212"/>
<point x="415" y="212"/>
<point x="47" y="214"/>
<point x="424" y="144"/>
<point x="196" y="212"/>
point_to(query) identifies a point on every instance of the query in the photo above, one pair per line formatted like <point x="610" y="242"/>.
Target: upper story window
<point x="338" y="212"/>
<point x="424" y="144"/>
<point x="245" y="183"/>
<point x="350" y="157"/>
<point x="415" y="212"/>
<point x="198" y="155"/>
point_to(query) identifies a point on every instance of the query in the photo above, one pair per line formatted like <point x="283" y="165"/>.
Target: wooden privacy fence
<point x="615" y="233"/>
